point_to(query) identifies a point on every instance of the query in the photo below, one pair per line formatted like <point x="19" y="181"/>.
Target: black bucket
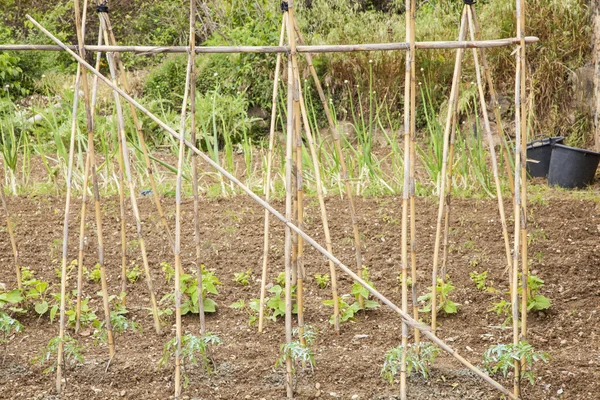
<point x="571" y="167"/>
<point x="538" y="156"/>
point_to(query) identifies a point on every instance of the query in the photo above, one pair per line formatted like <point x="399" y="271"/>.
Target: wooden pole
<point x="128" y="173"/>
<point x="523" y="137"/>
<point x="86" y="175"/>
<point x="492" y="149"/>
<point x="177" y="249"/>
<point x="299" y="265"/>
<point x="496" y="107"/>
<point x="319" y="182"/>
<point x="140" y="133"/>
<point x="11" y="234"/>
<point x="195" y="168"/>
<point x="288" y="232"/>
<point x="442" y="185"/>
<point x="339" y="154"/>
<point x="346" y="48"/>
<point x="426" y="331"/>
<point x="405" y="201"/>
<point x="412" y="169"/>
<point x="263" y="281"/>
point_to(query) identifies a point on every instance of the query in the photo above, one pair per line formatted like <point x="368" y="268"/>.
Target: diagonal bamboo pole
<point x="442" y="186"/>
<point x="86" y="176"/>
<point x="263" y="281"/>
<point x="288" y="232"/>
<point x="495" y="106"/>
<point x="11" y="234"/>
<point x="195" y="169"/>
<point x="319" y="182"/>
<point x="128" y="173"/>
<point x="140" y="133"/>
<point x="339" y="154"/>
<point x="426" y="331"/>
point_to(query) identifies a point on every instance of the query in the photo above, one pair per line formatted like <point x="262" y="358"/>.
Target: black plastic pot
<point x="540" y="152"/>
<point x="571" y="167"/>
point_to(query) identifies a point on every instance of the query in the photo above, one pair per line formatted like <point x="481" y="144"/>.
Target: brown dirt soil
<point x="565" y="253"/>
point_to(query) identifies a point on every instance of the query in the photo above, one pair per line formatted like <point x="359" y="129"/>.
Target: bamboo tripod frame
<point x="291" y="228"/>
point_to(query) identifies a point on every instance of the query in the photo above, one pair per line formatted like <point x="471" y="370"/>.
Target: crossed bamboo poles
<point x="290" y="227"/>
<point x="299" y="119"/>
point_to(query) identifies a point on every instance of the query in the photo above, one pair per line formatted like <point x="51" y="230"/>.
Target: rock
<point x="317" y="386"/>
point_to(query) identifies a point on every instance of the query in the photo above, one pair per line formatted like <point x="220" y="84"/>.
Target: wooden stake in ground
<point x="86" y="175"/>
<point x="11" y="234"/>
<point x="177" y="248"/>
<point x="340" y="156"/>
<point x="288" y="232"/>
<point x="195" y="168"/>
<point x="442" y="185"/>
<point x="426" y="331"/>
<point x="263" y="281"/>
<point x="127" y="169"/>
<point x="405" y="206"/>
<point x="318" y="180"/>
<point x="523" y="165"/>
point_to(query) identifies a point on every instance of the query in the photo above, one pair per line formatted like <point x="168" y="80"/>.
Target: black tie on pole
<point x="103" y="7"/>
<point x="284" y="6"/>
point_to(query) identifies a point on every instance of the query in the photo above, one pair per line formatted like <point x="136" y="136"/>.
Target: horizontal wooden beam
<point x="342" y="48"/>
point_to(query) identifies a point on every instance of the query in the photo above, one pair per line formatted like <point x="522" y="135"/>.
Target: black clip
<point x="103" y="7"/>
<point x="284" y="6"/>
<point x="470" y="2"/>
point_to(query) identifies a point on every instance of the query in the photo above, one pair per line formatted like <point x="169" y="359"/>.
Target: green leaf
<point x="42" y="307"/>
<point x="12" y="297"/>
<point x="210" y="305"/>
<point x="450" y="307"/>
<point x="53" y="311"/>
<point x="539" y="303"/>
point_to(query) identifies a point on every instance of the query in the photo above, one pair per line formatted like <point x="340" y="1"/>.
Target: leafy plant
<point x="168" y="270"/>
<point x="194" y="352"/>
<point x="299" y="353"/>
<point x="71" y="353"/>
<point x="8" y="326"/>
<point x="502" y="357"/>
<point x="418" y="358"/>
<point x="252" y="309"/>
<point x="95" y="275"/>
<point x="536" y="301"/>
<point x="189" y="291"/>
<point x="443" y="290"/>
<point x="480" y="279"/>
<point x="322" y="280"/>
<point x="502" y="308"/>
<point x="242" y="278"/>
<point x="276" y="303"/>
<point x="361" y="294"/>
<point x="133" y="274"/>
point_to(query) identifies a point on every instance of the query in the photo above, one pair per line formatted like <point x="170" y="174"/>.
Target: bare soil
<point x="565" y="253"/>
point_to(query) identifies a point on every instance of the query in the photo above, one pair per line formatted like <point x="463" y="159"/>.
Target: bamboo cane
<point x="426" y="331"/>
<point x="491" y="145"/>
<point x="140" y="134"/>
<point x="129" y="175"/>
<point x="405" y="202"/>
<point x="300" y="222"/>
<point x="442" y="186"/>
<point x="121" y="178"/>
<point x="11" y="234"/>
<point x="496" y="107"/>
<point x="346" y="48"/>
<point x="288" y="232"/>
<point x="523" y="138"/>
<point x="517" y="211"/>
<point x="86" y="175"/>
<point x="195" y="170"/>
<point x="340" y="155"/>
<point x="319" y="183"/>
<point x="413" y="157"/>
<point x="263" y="281"/>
